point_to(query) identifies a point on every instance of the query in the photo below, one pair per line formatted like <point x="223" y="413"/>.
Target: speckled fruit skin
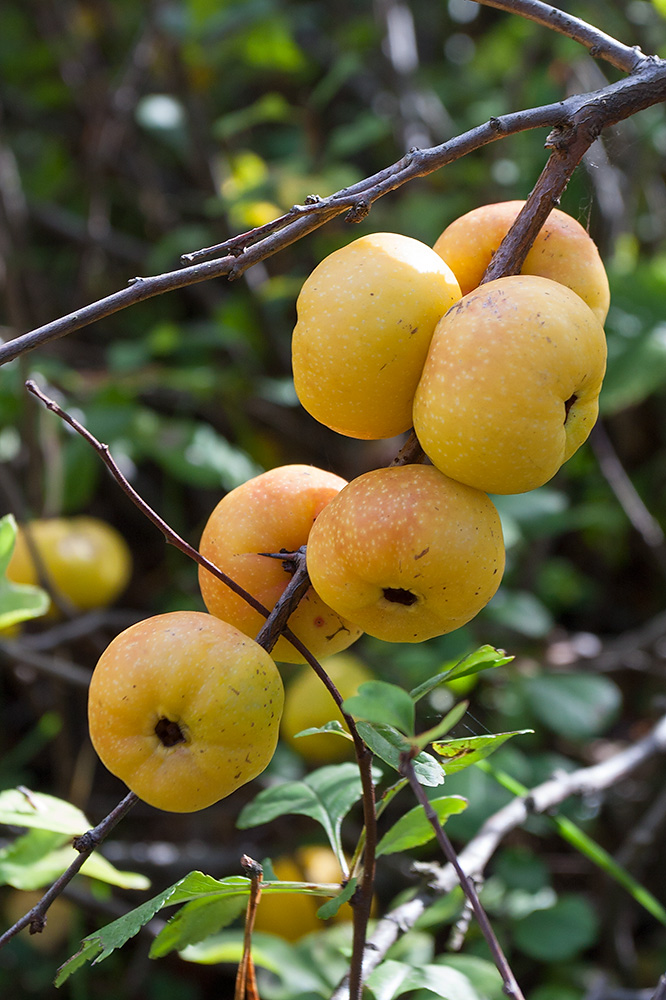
<point x="271" y="513"/>
<point x="365" y="318"/>
<point x="406" y="553"/>
<point x="222" y="691"/>
<point x="86" y="559"/>
<point x="493" y="408"/>
<point x="563" y="251"/>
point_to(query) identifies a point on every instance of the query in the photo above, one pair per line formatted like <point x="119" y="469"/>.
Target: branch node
<point x="359" y="211"/>
<point x="313" y="199"/>
<point x="86" y="843"/>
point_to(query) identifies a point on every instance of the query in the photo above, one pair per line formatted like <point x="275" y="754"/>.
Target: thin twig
<point x="646" y="87"/>
<point x="476" y="855"/>
<point x="624" y="57"/>
<point x="35" y="918"/>
<point x="627" y="495"/>
<point x="511" y="987"/>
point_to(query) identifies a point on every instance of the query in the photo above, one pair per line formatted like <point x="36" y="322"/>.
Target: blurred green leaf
<point x="577" y="706"/>
<point x="559" y="933"/>
<point x="25" y="808"/>
<point x="520" y="611"/>
<point x="39" y="857"/>
<point x="18" y="602"/>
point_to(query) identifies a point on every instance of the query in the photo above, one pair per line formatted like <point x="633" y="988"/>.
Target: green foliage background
<point x="131" y="133"/>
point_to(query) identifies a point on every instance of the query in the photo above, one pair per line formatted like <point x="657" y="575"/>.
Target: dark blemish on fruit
<point x="319" y="621"/>
<point x="234" y="690"/>
<point x="568" y="403"/>
<point x="413" y="330"/>
<point x="169" y="732"/>
<point x="397" y="595"/>
<point x="422" y="554"/>
<point x="237" y="776"/>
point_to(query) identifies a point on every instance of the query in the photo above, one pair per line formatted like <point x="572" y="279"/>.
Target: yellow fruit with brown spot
<point x="365" y="318"/>
<point x="308" y="704"/>
<point x="407" y="553"/>
<point x="87" y="560"/>
<point x="563" y="251"/>
<point x="510" y="389"/>
<point x="272" y="513"/>
<point x="184" y="709"/>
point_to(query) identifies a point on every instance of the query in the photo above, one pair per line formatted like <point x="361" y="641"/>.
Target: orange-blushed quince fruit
<point x="365" y="318"/>
<point x="510" y="389"/>
<point x="563" y="251"/>
<point x="308" y="704"/>
<point x="184" y="709"/>
<point x="85" y="559"/>
<point x="272" y="512"/>
<point x="407" y="553"/>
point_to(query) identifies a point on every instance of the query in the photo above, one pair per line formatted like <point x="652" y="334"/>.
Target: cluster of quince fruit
<point x="500" y="382"/>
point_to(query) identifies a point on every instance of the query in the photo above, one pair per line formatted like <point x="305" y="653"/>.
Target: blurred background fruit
<point x="308" y="704"/>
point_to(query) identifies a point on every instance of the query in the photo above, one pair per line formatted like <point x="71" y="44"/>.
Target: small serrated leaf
<point x="99" y="945"/>
<point x="483" y="658"/>
<point x="331" y="906"/>
<point x="459" y="754"/>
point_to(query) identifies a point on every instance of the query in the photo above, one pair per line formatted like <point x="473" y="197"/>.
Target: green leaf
<point x="99" y="945"/>
<point x="388" y="744"/>
<point x="521" y="611"/>
<point x="414" y="828"/>
<point x="40" y="856"/>
<point x="459" y="754"/>
<point x="483" y="658"/>
<point x="196" y="921"/>
<point x="25" y="808"/>
<point x="577" y="706"/>
<point x="331" y="906"/>
<point x="329" y="727"/>
<point x="8" y="530"/>
<point x="559" y="933"/>
<point x="392" y="979"/>
<point x="385" y="981"/>
<point x="268" y="951"/>
<point x="326" y="795"/>
<point x="18" y="601"/>
<point x="384" y="704"/>
<point x="21" y="861"/>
